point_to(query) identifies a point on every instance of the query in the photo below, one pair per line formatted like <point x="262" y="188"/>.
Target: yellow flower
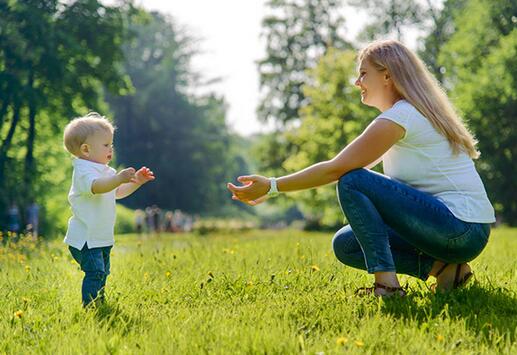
<point x="168" y="274"/>
<point x="146" y="275"/>
<point x="18" y="314"/>
<point x="359" y="343"/>
<point x="315" y="268"/>
<point x="341" y="341"/>
<point x="249" y="283"/>
<point x="27" y="268"/>
<point x="440" y="338"/>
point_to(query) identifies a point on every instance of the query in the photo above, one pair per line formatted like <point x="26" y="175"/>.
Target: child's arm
<point x="107" y="184"/>
<point x="142" y="176"/>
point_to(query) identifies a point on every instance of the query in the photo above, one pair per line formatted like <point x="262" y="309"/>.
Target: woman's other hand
<point x="253" y="190"/>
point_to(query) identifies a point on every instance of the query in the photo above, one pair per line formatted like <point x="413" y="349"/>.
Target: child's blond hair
<point x="80" y="128"/>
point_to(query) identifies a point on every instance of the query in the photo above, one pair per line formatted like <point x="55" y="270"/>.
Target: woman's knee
<point x="351" y="177"/>
<point x="344" y="243"/>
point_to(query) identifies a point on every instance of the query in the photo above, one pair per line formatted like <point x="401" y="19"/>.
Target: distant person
<point x="32" y="213"/>
<point x="188" y="224"/>
<point x="139" y="221"/>
<point x="157" y="219"/>
<point x="95" y="187"/>
<point x="149" y="220"/>
<point x="13" y="219"/>
<point x="429" y="215"/>
<point x="168" y="222"/>
<point x="178" y="220"/>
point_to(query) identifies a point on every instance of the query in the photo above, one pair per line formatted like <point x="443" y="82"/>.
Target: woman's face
<point x="376" y="90"/>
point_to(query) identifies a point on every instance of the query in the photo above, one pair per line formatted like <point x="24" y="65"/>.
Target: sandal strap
<point x="376" y="285"/>
<point x="457" y="276"/>
<point x="387" y="288"/>
<point x="444" y="266"/>
<point x="458" y="282"/>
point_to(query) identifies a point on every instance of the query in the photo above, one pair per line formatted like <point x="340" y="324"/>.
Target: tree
<point x="298" y="32"/>
<point x="391" y="16"/>
<point x="54" y="59"/>
<point x="182" y="137"/>
<point x="440" y="30"/>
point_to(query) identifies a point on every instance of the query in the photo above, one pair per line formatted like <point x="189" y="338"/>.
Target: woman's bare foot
<point x="452" y="276"/>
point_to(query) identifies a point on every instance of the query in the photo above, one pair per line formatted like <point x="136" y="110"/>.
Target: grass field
<point x="274" y="292"/>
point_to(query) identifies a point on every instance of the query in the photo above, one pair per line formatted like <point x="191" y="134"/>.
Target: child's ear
<point x="84" y="149"/>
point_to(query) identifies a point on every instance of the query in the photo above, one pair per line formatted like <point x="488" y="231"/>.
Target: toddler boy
<point x="95" y="187"/>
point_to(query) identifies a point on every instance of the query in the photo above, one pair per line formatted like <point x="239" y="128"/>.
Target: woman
<point x="429" y="214"/>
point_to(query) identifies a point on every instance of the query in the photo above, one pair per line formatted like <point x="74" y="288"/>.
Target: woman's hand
<point x="253" y="190"/>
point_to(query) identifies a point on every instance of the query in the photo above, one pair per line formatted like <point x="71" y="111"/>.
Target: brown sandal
<point x="463" y="281"/>
<point x="390" y="291"/>
<point x="458" y="282"/>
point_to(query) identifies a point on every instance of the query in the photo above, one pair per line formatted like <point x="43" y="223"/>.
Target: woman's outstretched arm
<point x="376" y="140"/>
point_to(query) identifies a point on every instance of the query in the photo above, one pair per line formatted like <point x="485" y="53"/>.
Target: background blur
<point x="136" y="65"/>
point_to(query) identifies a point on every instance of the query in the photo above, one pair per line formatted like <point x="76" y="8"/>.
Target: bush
<point x="125" y="220"/>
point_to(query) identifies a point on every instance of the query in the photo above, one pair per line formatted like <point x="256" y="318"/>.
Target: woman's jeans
<point x="95" y="263"/>
<point x="396" y="228"/>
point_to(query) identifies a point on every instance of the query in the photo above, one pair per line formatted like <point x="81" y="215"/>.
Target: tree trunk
<point x="29" y="157"/>
<point x="3" y="111"/>
<point x="7" y="142"/>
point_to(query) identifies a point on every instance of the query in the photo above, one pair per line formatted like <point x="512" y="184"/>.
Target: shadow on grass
<point x="484" y="310"/>
<point x="113" y="316"/>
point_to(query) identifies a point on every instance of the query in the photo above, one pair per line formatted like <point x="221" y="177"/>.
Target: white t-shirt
<point x="93" y="219"/>
<point x="424" y="160"/>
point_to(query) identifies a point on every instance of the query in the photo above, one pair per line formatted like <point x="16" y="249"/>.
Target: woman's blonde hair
<point x="80" y="128"/>
<point x="418" y="86"/>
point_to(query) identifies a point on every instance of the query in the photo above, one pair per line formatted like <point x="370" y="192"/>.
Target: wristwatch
<point x="273" y="189"/>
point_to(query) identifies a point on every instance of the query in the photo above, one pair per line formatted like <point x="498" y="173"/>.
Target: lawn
<point x="275" y="292"/>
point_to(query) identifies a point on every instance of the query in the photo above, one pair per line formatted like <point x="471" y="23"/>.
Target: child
<point x="95" y="186"/>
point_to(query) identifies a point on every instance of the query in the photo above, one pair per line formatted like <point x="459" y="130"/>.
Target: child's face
<point x="98" y="147"/>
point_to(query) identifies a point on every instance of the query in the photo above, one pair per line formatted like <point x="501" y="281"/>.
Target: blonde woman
<point x="429" y="214"/>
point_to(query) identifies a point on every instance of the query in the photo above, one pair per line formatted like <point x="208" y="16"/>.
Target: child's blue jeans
<point x="95" y="263"/>
<point x="394" y="227"/>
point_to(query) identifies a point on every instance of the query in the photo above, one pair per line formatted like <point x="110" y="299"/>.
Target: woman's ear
<point x="387" y="76"/>
<point x="387" y="79"/>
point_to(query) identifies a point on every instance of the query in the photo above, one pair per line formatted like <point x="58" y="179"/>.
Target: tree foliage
<point x="298" y="33"/>
<point x="183" y="138"/>
<point x="54" y="60"/>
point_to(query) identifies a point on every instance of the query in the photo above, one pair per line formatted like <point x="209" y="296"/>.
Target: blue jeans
<point x="95" y="263"/>
<point x="397" y="228"/>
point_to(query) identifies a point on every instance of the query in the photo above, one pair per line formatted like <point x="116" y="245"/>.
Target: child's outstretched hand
<point x="126" y="175"/>
<point x="143" y="175"/>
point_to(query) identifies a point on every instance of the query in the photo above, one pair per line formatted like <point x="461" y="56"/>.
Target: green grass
<point x="274" y="292"/>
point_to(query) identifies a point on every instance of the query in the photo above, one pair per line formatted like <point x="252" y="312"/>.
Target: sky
<point x="231" y="45"/>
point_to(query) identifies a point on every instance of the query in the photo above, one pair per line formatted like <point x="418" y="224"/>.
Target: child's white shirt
<point x="93" y="219"/>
